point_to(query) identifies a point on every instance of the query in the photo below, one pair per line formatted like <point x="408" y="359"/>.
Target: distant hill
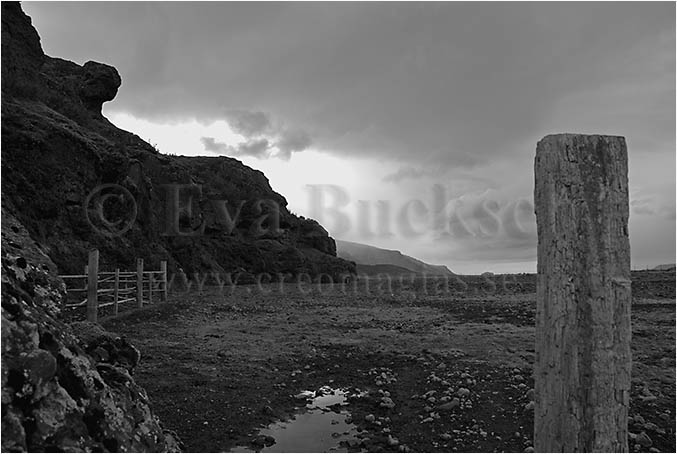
<point x="372" y="256"/>
<point x="667" y="266"/>
<point x="391" y="270"/>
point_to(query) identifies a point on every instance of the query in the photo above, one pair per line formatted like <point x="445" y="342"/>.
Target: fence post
<point x="150" y="287"/>
<point x="583" y="358"/>
<point x="116" y="291"/>
<point x="163" y="269"/>
<point x="92" y="286"/>
<point x="139" y="283"/>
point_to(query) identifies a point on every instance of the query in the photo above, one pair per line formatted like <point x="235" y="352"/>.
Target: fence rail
<point x="113" y="288"/>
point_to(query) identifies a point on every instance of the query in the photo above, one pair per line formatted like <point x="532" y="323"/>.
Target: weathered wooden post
<point x="92" y="286"/>
<point x="116" y="290"/>
<point x="150" y="287"/>
<point x="139" y="283"/>
<point x="583" y="361"/>
<point x="163" y="269"/>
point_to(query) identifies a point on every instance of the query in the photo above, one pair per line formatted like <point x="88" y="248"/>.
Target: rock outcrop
<point x="61" y="392"/>
<point x="100" y="84"/>
<point x="57" y="148"/>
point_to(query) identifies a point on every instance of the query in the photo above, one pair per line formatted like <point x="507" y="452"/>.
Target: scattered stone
<point x="530" y="406"/>
<point x="638" y="420"/>
<point x="530" y="394"/>
<point x="449" y="405"/>
<point x="462" y="392"/>
<point x="446" y="437"/>
<point x="529" y="449"/>
<point x="652" y="427"/>
<point x="387" y="402"/>
<point x="644" y="440"/>
<point x="263" y="440"/>
<point x="392" y="441"/>
<point x="304" y="395"/>
<point x="647" y="396"/>
<point x="353" y="443"/>
<point x="370" y="418"/>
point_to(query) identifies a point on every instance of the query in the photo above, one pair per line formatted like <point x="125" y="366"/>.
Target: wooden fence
<point x="113" y="288"/>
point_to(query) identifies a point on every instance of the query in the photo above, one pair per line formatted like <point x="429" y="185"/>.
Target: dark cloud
<point x="293" y="141"/>
<point x="262" y="135"/>
<point x="249" y="124"/>
<point x="264" y="139"/>
<point x="212" y="145"/>
<point x="396" y="81"/>
<point x="257" y="148"/>
<point x="435" y="165"/>
<point x="408" y="172"/>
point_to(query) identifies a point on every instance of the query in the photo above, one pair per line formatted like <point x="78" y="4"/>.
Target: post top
<point x="568" y="136"/>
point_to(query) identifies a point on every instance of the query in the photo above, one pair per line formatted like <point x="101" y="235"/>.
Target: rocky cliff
<point x="57" y="148"/>
<point x="61" y="392"/>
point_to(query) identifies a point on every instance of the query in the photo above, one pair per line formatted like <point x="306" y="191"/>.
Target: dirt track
<point x="220" y="365"/>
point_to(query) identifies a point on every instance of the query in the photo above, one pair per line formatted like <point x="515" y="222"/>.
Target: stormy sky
<point x="409" y="126"/>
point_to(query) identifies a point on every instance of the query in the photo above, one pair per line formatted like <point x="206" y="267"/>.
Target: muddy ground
<point x="457" y="365"/>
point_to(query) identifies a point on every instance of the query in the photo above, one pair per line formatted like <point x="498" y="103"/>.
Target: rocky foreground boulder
<point x="61" y="392"/>
<point x="57" y="148"/>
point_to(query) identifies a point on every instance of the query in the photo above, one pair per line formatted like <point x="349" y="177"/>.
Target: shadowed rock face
<point x="61" y="393"/>
<point x="57" y="147"/>
<point x="100" y="84"/>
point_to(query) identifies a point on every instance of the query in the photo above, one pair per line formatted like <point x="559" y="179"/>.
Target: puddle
<point x="320" y="427"/>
